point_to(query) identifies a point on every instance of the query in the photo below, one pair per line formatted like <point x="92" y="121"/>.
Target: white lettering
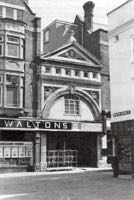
<point x="47" y="125"/>
<point x="8" y="123"/>
<point x="36" y="124"/>
<point x="64" y="125"/>
<point x="28" y="125"/>
<point x="57" y="125"/>
<point x="19" y="124"/>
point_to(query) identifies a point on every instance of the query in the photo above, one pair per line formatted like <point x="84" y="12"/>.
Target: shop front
<point x="40" y="145"/>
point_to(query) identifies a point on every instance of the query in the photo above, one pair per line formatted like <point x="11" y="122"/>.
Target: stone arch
<point x="82" y="94"/>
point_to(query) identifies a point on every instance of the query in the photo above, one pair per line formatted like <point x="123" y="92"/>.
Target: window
<point x="47" y="70"/>
<point x="13" y="50"/>
<point x="12" y="96"/>
<point x="22" y="50"/>
<point x="67" y="72"/>
<point x="13" y="39"/>
<point x="1" y="11"/>
<point x="1" y="49"/>
<point x="72" y="105"/>
<point x="58" y="70"/>
<point x="1" y="38"/>
<point x="13" y="46"/>
<point x="77" y="73"/>
<point x="95" y="75"/>
<point x="10" y="12"/>
<point x="12" y="89"/>
<point x="46" y="36"/>
<point x="86" y="74"/>
<point x="20" y="15"/>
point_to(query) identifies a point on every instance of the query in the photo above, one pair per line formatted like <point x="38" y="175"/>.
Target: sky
<point x="66" y="10"/>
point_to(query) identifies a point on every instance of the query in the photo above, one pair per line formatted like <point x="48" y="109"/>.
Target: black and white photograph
<point x="66" y="100"/>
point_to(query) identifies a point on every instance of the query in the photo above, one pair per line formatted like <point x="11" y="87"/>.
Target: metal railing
<point x="61" y="158"/>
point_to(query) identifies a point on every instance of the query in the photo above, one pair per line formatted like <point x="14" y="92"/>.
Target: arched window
<point x="72" y="104"/>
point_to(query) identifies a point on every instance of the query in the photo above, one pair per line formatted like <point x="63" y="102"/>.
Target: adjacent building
<point x="19" y="50"/>
<point x="121" y="54"/>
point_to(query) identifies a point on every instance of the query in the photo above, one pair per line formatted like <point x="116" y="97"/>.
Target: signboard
<point x="127" y="112"/>
<point x="32" y="124"/>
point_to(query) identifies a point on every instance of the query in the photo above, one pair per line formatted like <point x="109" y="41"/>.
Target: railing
<point x="61" y="159"/>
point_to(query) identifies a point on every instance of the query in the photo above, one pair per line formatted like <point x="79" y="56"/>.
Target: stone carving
<point x="95" y="95"/>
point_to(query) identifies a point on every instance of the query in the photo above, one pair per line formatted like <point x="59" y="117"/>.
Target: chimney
<point x="88" y="15"/>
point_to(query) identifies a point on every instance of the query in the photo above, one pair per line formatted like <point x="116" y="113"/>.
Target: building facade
<point x="70" y="91"/>
<point x="121" y="46"/>
<point x="92" y="38"/>
<point x="19" y="50"/>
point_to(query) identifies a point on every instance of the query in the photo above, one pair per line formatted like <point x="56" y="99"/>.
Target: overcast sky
<point x="49" y="10"/>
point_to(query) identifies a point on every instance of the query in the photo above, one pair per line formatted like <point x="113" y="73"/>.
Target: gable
<point x="73" y="53"/>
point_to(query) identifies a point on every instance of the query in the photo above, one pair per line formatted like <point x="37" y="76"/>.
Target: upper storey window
<point x="10" y="13"/>
<point x="20" y="15"/>
<point x="13" y="46"/>
<point x="1" y="11"/>
<point x="46" y="36"/>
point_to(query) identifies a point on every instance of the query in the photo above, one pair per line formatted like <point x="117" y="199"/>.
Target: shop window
<point x="10" y="12"/>
<point x="72" y="105"/>
<point x="46" y="36"/>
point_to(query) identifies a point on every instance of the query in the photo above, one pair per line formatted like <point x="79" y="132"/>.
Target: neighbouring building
<point x="121" y="52"/>
<point x="19" y="50"/>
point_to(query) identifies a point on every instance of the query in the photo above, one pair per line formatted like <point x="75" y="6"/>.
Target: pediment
<point x="74" y="53"/>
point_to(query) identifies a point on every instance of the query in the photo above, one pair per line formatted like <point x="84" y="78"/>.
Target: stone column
<point x="36" y="160"/>
<point x="43" y="152"/>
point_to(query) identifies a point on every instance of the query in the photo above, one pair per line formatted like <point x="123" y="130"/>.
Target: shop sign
<point x="127" y="112"/>
<point x="32" y="124"/>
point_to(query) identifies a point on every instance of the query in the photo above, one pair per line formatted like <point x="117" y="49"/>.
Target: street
<point x="76" y="186"/>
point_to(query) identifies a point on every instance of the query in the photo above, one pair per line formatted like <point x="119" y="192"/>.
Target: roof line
<point x="60" y="21"/>
<point x="119" y="6"/>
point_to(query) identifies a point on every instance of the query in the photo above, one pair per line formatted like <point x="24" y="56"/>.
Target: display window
<point x="15" y="153"/>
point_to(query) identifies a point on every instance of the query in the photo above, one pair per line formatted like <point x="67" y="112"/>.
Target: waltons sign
<point x="31" y="124"/>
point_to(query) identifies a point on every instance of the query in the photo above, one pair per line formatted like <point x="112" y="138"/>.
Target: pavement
<point x="72" y="171"/>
